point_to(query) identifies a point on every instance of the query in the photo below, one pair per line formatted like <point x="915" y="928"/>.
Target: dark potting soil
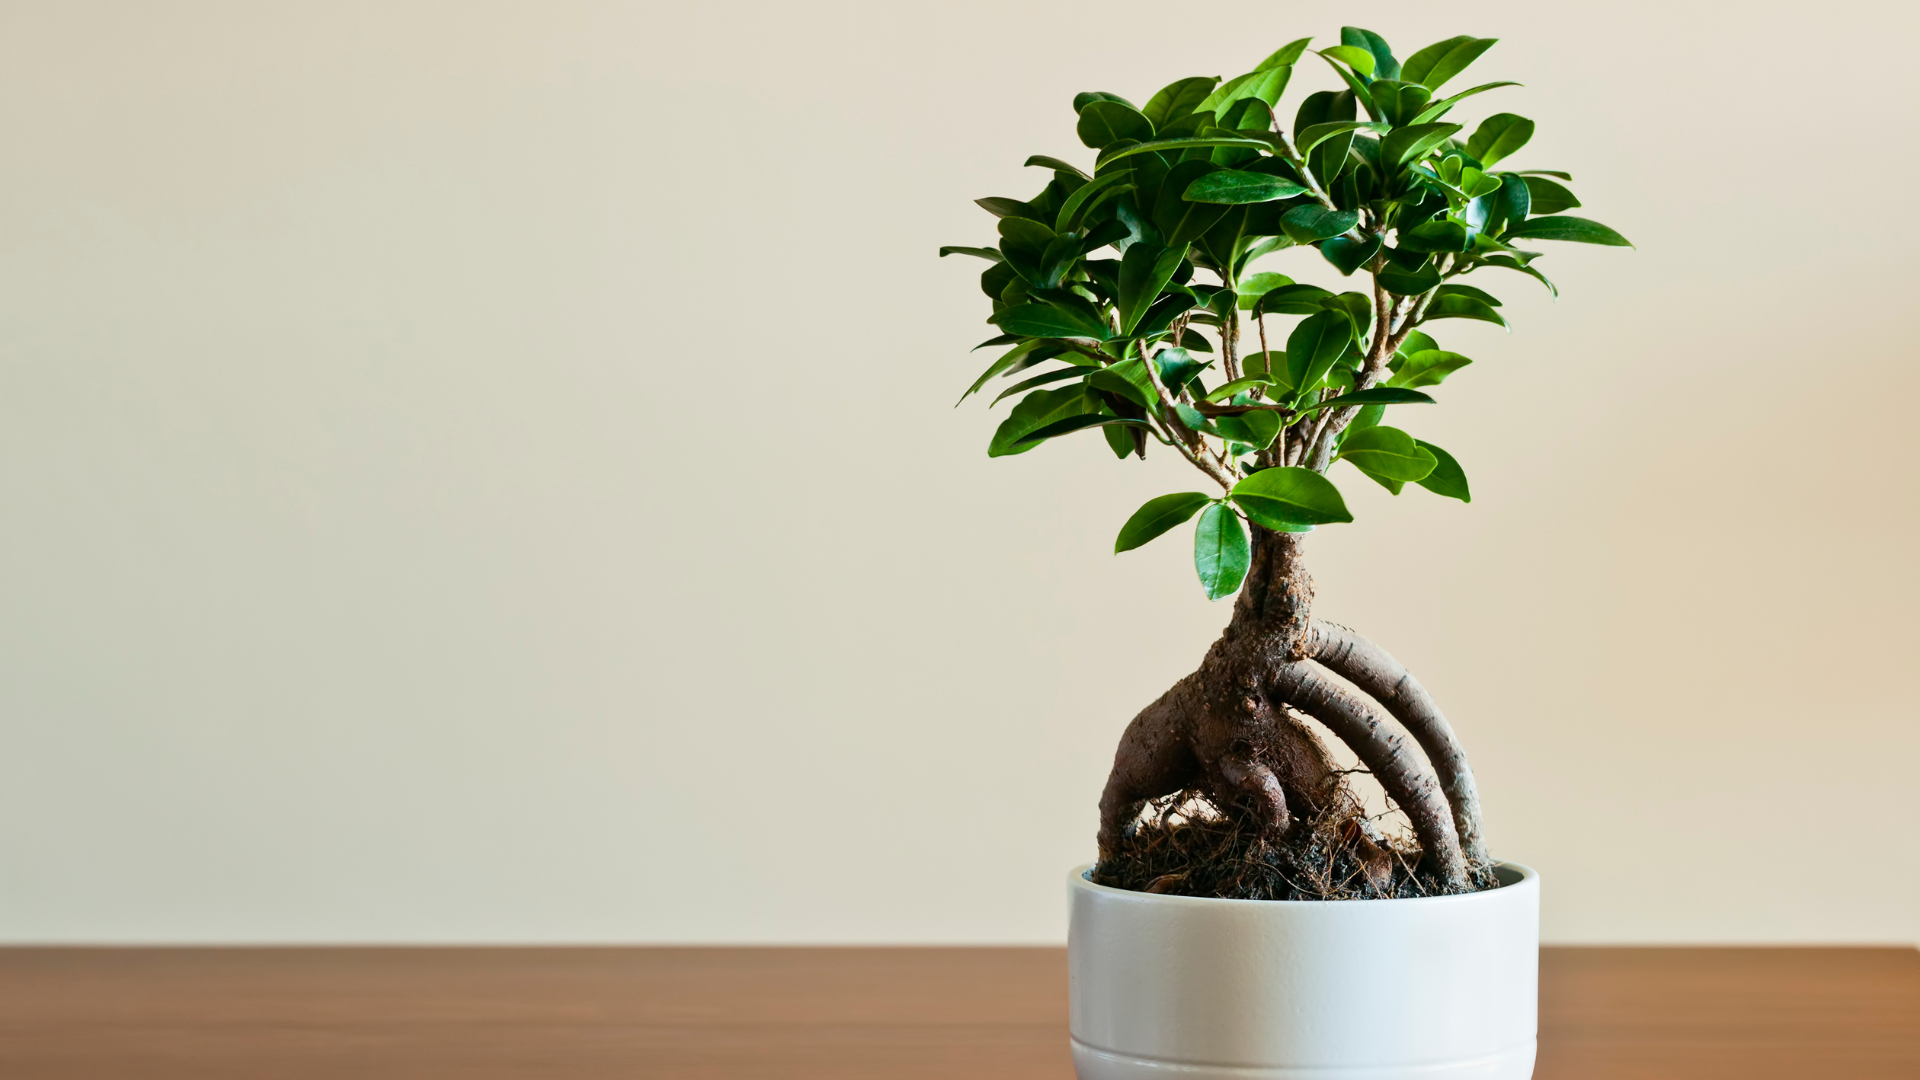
<point x="1184" y="846"/>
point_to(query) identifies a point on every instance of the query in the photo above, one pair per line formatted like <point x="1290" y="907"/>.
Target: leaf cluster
<point x="1100" y="293"/>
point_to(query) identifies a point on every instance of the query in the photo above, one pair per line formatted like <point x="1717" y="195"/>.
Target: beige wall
<point x="487" y="472"/>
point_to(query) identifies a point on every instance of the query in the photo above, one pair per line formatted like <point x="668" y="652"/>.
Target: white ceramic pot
<point x="1185" y="988"/>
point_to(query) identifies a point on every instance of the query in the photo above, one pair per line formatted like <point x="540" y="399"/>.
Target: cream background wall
<point x="486" y="472"/>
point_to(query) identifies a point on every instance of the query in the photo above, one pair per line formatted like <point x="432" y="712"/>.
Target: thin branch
<point x="1216" y="473"/>
<point x="1266" y="354"/>
<point x="1299" y="163"/>
<point x="1387" y="340"/>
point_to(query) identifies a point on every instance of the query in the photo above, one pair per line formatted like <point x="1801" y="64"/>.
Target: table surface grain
<point x="850" y="1014"/>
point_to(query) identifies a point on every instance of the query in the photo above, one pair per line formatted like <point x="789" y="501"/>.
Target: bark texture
<point x="1381" y="677"/>
<point x="1227" y="731"/>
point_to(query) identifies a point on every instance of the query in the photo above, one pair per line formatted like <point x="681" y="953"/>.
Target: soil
<point x="1184" y="845"/>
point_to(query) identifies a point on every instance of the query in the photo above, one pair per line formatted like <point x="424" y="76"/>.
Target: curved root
<point x="1381" y="677"/>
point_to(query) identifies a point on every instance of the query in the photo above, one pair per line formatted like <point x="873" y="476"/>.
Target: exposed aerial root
<point x="1386" y="752"/>
<point x="1381" y="677"/>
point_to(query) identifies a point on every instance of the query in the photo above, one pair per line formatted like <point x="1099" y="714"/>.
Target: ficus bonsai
<point x="1127" y="295"/>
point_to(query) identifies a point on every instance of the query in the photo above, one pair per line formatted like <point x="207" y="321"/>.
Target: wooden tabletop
<point x="850" y="1014"/>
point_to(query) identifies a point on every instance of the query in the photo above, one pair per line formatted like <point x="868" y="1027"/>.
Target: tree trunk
<point x="1226" y="731"/>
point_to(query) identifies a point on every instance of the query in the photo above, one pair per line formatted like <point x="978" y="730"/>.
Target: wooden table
<point x="850" y="1014"/>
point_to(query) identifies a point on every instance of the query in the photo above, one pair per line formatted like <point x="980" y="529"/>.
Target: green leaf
<point x="1088" y="195"/>
<point x="1293" y="300"/>
<point x="1008" y="208"/>
<point x="1264" y="85"/>
<point x="1512" y="203"/>
<point x="1399" y="101"/>
<point x="1084" y="99"/>
<point x="1035" y="411"/>
<point x="1348" y="254"/>
<point x="1177" y="219"/>
<point x="1103" y="123"/>
<point x="1213" y="102"/>
<point x="1435" y="64"/>
<point x="1221" y="553"/>
<point x="1439" y="108"/>
<point x="1254" y="286"/>
<point x="977" y="252"/>
<point x="1357" y="86"/>
<point x="1417" y="341"/>
<point x="1288" y="498"/>
<point x="1447" y="478"/>
<point x="1271" y="366"/>
<point x="1060" y="255"/>
<point x="1565" y="227"/>
<point x="1145" y="270"/>
<point x="1315" y="346"/>
<point x="1409" y="144"/>
<point x="1234" y="187"/>
<point x="1024" y="244"/>
<point x="1387" y="453"/>
<point x="1436" y="235"/>
<point x="1128" y="379"/>
<point x="1358" y="308"/>
<point x="1072" y="424"/>
<point x="1267" y="85"/>
<point x="1156" y="516"/>
<point x="1245" y="383"/>
<point x="1288" y="54"/>
<point x="1313" y="136"/>
<point x="1463" y="307"/>
<point x="1310" y="224"/>
<point x="1428" y="367"/>
<point x="1567" y="176"/>
<point x="1548" y="197"/>
<point x="1507" y="262"/>
<point x="1192" y="419"/>
<point x="1178" y="99"/>
<point x="1160" y="317"/>
<point x="1043" y="380"/>
<point x="1482" y="295"/>
<point x="1177" y="367"/>
<point x="1256" y="429"/>
<point x="1498" y="136"/>
<point x="1054" y="163"/>
<point x="1360" y="60"/>
<point x="1049" y="321"/>
<point x="1368" y="417"/>
<point x="1004" y="363"/>
<point x="1403" y="282"/>
<point x="1384" y="65"/>
<point x="1375" y="395"/>
<point x="1165" y="146"/>
<point x="1475" y="184"/>
<point x="1107" y="232"/>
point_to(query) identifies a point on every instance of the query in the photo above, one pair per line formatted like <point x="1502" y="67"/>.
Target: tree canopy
<point x="1096" y="290"/>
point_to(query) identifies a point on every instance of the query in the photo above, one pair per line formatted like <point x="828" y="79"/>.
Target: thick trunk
<point x="1216" y="730"/>
<point x="1382" y="678"/>
<point x="1226" y="730"/>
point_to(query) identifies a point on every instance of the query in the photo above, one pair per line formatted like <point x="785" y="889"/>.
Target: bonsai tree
<point x="1127" y="297"/>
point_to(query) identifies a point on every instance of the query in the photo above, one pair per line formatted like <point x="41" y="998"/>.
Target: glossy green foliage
<point x="1221" y="552"/>
<point x="1156" y="516"/>
<point x="1290" y="499"/>
<point x="1128" y="297"/>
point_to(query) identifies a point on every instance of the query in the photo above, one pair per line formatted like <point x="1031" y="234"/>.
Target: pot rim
<point x="1081" y="878"/>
